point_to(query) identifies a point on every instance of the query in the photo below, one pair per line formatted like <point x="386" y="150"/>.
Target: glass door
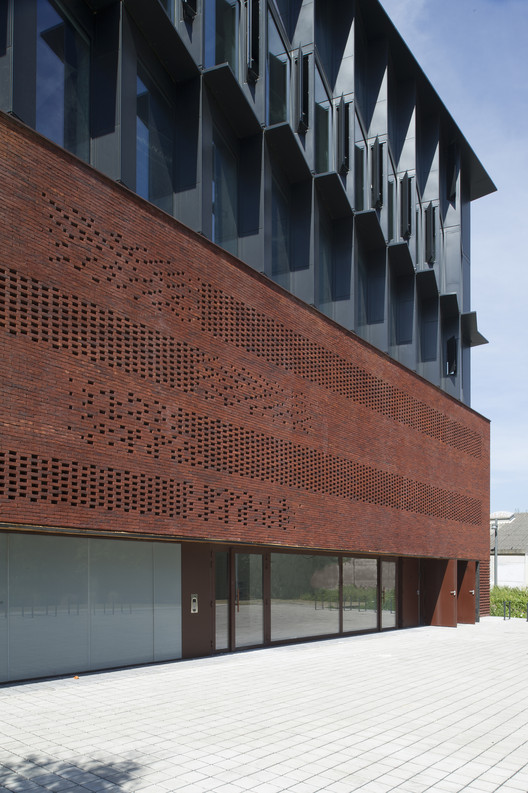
<point x="249" y="602"/>
<point x="388" y="594"/>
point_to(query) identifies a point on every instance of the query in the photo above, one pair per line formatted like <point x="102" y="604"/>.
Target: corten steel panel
<point x="409" y="593"/>
<point x="438" y="592"/>
<point x="153" y="384"/>
<point x="466" y="592"/>
<point x="197" y="581"/>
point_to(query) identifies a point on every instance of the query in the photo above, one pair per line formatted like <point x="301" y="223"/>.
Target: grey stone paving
<point x="431" y="709"/>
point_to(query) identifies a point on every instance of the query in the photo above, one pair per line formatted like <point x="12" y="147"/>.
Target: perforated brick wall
<point x="153" y="384"/>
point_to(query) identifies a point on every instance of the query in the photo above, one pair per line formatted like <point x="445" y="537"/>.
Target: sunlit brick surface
<point x="151" y="383"/>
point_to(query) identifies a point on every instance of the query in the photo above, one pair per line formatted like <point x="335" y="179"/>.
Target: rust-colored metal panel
<point x="197" y="600"/>
<point x="466" y="589"/>
<point x="410" y="593"/>
<point x="438" y="592"/>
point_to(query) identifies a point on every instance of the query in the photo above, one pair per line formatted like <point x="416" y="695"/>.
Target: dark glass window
<point x="359" y="178"/>
<point x="278" y="76"/>
<point x="153" y="144"/>
<point x="280" y="235"/>
<point x="221" y="33"/>
<point x="224" y="196"/>
<point x="62" y="81"/>
<point x="326" y="268"/>
<point x="430" y="234"/>
<point x="323" y="126"/>
<point x="388" y="594"/>
<point x="451" y="356"/>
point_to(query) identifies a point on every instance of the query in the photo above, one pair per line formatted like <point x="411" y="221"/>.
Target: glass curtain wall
<point x="278" y="76"/>
<point x="221" y="33"/>
<point x="62" y="81"/>
<point x="304" y="596"/>
<point x="224" y="196"/>
<point x="78" y="603"/>
<point x="154" y="143"/>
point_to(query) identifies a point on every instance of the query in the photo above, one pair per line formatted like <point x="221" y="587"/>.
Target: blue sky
<point x="475" y="54"/>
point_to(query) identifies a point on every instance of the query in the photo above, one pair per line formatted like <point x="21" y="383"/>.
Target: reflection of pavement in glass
<point x="291" y="619"/>
<point x="249" y="624"/>
<point x="295" y="619"/>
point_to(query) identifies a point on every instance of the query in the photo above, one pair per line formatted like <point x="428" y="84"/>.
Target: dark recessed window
<point x="376" y="175"/>
<point x="252" y="38"/>
<point x="62" y="81"/>
<point x="343" y="136"/>
<point x="406" y="207"/>
<point x="189" y="9"/>
<point x="430" y="234"/>
<point x="302" y="66"/>
<point x="451" y="356"/>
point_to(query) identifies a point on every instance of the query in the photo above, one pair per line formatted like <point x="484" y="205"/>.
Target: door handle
<point x="453" y="592"/>
<point x="471" y="591"/>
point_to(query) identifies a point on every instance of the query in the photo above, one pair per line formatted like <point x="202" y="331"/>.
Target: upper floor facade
<point x="299" y="135"/>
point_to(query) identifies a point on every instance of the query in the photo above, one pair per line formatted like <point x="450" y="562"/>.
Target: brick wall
<point x="151" y="383"/>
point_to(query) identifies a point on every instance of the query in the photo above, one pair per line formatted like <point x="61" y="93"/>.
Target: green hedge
<point x="516" y="596"/>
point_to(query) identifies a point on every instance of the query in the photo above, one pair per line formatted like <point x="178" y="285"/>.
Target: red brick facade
<point x="152" y="384"/>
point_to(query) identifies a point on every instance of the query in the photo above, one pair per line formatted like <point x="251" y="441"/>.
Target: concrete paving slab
<point x="426" y="710"/>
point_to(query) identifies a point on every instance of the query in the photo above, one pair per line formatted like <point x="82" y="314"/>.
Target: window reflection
<point x="280" y="235"/>
<point x="304" y="595"/>
<point x="249" y="604"/>
<point x="153" y="144"/>
<point x="323" y="121"/>
<point x="62" y="81"/>
<point x="388" y="594"/>
<point x="278" y="76"/>
<point x="360" y="594"/>
<point x="221" y="600"/>
<point x="221" y="33"/>
<point x="224" y="196"/>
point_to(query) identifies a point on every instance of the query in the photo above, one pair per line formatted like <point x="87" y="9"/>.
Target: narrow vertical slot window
<point x="405" y="207"/>
<point x="252" y="38"/>
<point x="62" y="81"/>
<point x="302" y="88"/>
<point x="278" y="76"/>
<point x="430" y="234"/>
<point x="343" y="137"/>
<point x="359" y="178"/>
<point x="390" y="209"/>
<point x="451" y="356"/>
<point x="323" y="126"/>
<point x="376" y="174"/>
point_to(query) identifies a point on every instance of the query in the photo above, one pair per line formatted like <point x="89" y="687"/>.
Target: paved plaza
<point x="430" y="709"/>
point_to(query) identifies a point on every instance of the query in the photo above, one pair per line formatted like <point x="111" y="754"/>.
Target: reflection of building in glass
<point x="202" y="453"/>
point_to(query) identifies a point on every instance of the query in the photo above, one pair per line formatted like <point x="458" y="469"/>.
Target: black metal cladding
<point x="211" y="63"/>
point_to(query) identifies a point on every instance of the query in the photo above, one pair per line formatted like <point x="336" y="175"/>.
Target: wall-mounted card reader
<point x="194" y="604"/>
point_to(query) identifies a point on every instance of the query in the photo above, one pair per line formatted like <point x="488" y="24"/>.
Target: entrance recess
<point x="438" y="588"/>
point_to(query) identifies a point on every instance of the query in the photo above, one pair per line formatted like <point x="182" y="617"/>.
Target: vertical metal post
<point x="496" y="551"/>
<point x="509" y="609"/>
<point x="504" y="609"/>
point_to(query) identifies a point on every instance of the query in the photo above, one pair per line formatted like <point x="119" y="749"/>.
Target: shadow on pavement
<point x="53" y="774"/>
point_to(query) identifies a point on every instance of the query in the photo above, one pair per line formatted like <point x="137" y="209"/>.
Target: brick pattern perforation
<point x="226" y="317"/>
<point x="138" y="393"/>
<point x="74" y="484"/>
